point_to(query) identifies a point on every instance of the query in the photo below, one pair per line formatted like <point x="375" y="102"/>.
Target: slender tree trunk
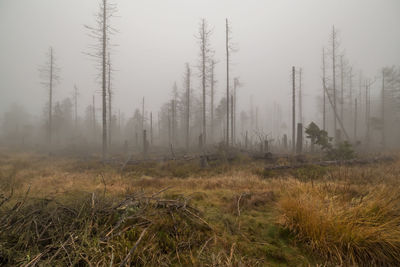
<point x="334" y="78"/>
<point x="234" y="107"/>
<point x="324" y="94"/>
<point x="227" y="82"/>
<point x="232" y="141"/>
<point x="294" y="110"/>
<point x="104" y="92"/>
<point x="203" y="78"/>
<point x="212" y="101"/>
<point x="51" y="96"/>
<point x="109" y="102"/>
<point x="367" y="113"/>
<point x="173" y="122"/>
<point x="341" y="87"/>
<point x="383" y="111"/>
<point x="300" y="97"/>
<point x="188" y="105"/>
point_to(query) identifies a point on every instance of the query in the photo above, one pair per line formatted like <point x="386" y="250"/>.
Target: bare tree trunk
<point x="299" y="145"/>
<point x="324" y="94"/>
<point x="367" y="113"/>
<point x="234" y="107"/>
<point x="227" y="82"/>
<point x="341" y="87"/>
<point x="104" y="62"/>
<point x="109" y="101"/>
<point x="300" y="97"/>
<point x="334" y="77"/>
<point x="188" y="105"/>
<point x="383" y="111"/>
<point x="351" y="92"/>
<point x="51" y="96"/>
<point x="294" y="110"/>
<point x="212" y="100"/>
<point x="233" y="142"/>
<point x="173" y="122"/>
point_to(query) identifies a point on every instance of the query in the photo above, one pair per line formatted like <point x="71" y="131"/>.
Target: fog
<point x="155" y="39"/>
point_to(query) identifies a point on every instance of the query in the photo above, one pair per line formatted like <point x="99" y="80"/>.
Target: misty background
<point x="156" y="38"/>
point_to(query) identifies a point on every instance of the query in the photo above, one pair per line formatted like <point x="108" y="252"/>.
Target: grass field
<point x="63" y="211"/>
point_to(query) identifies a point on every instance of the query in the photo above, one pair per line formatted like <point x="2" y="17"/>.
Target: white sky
<point x="156" y="38"/>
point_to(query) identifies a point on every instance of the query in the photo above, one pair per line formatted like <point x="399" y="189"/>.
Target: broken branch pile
<point x="94" y="230"/>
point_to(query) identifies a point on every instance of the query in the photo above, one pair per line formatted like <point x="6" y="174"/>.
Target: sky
<point x="157" y="37"/>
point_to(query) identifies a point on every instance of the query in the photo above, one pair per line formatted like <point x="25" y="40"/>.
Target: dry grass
<point x="345" y="215"/>
<point x="349" y="219"/>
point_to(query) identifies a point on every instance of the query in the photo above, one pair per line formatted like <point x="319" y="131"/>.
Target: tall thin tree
<point x="205" y="55"/>
<point x="49" y="74"/>
<point x="323" y="92"/>
<point x="334" y="48"/>
<point x="213" y="81"/>
<point x="293" y="109"/>
<point x="101" y="33"/>
<point x="187" y="104"/>
<point x="109" y="100"/>
<point x="228" y="49"/>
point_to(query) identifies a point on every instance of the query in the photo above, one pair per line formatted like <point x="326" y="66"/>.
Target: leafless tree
<point x="229" y="48"/>
<point x="300" y="74"/>
<point x="213" y="82"/>
<point x="334" y="47"/>
<point x="205" y="56"/>
<point x="323" y="92"/>
<point x="187" y="104"/>
<point x="101" y="34"/>
<point x="110" y="93"/>
<point x="49" y="74"/>
<point x="293" y="109"/>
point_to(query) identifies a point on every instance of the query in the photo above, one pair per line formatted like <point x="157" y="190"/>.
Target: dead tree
<point x="334" y="48"/>
<point x="299" y="144"/>
<point x="323" y="91"/>
<point x="341" y="87"/>
<point x="236" y="85"/>
<point x="109" y="100"/>
<point x="205" y="53"/>
<point x="334" y="112"/>
<point x="232" y="140"/>
<point x="300" y="97"/>
<point x="293" y="109"/>
<point x="227" y="48"/>
<point x="187" y="104"/>
<point x="213" y="81"/>
<point x="383" y="110"/>
<point x="49" y="74"/>
<point x="101" y="33"/>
